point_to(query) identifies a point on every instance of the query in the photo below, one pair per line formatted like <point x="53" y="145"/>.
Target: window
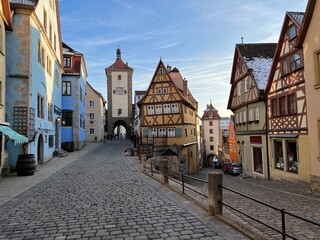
<point x="211" y="131"/>
<point x="240" y="117"/>
<point x="292" y="158"/>
<point x="41" y="55"/>
<point x="158" y="109"/>
<point x="91" y="116"/>
<point x="159" y="90"/>
<point x="211" y="148"/>
<point x="50" y="32"/>
<point x="166" y="108"/>
<point x="119" y="111"/>
<point x="161" y="70"/>
<point x="45" y="19"/>
<point x="66" y="88"/>
<point x="154" y="132"/>
<point x="211" y="139"/>
<point x="246" y="84"/>
<point x="150" y="110"/>
<point x="292" y="32"/>
<point x="274" y="107"/>
<point x="57" y="78"/>
<point x="162" y="132"/>
<point x="257" y="113"/>
<point x="67" y="62"/>
<point x="80" y="94"/>
<point x="51" y="141"/>
<point x="1" y="102"/>
<point x="250" y="114"/>
<point x="295" y="62"/>
<point x="91" y="131"/>
<point x="174" y="108"/>
<point x="49" y="66"/>
<point x="210" y="123"/>
<point x="66" y="118"/>
<point x="244" y="116"/>
<point x="278" y="154"/>
<point x="186" y="132"/>
<point x="239" y="90"/>
<point x="171" y="132"/>
<point x="284" y="67"/>
<point x="257" y="160"/>
<point x="292" y="104"/>
<point x="1" y="39"/>
<point x="283" y="106"/>
<point x="317" y="67"/>
<point x="91" y="103"/>
<point x="50" y="119"/>
<point x="164" y="90"/>
<point x="55" y="42"/>
<point x="40" y="105"/>
<point x="119" y="77"/>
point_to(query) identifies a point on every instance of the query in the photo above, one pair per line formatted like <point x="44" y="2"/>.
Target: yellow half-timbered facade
<point x="168" y="113"/>
<point x="287" y="109"/>
<point x="249" y="77"/>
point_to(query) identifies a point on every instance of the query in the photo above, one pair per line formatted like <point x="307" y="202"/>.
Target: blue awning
<point x="16" y="137"/>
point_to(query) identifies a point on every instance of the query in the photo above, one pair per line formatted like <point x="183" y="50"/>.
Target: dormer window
<point x="67" y="62"/>
<point x="292" y="32"/>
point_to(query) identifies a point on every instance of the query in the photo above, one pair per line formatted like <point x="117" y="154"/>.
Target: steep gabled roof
<point x="30" y="4"/>
<point x="306" y="21"/>
<point x="297" y="18"/>
<point x="67" y="50"/>
<point x="98" y="93"/>
<point x="258" y="57"/>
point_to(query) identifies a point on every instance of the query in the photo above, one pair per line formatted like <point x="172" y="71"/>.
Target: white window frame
<point x="162" y="132"/>
<point x="251" y="117"/>
<point x="171" y="132"/>
<point x="174" y="108"/>
<point x="159" y="90"/>
<point x="257" y="113"/>
<point x="166" y="108"/>
<point x="150" y="110"/>
<point x="91" y="103"/>
<point x="244" y="116"/>
<point x="91" y="117"/>
<point x="246" y="84"/>
<point x="158" y="109"/>
<point x="164" y="90"/>
<point x="154" y="132"/>
<point x="91" y="129"/>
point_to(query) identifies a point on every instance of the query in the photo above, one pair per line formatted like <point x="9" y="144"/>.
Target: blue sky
<point x="196" y="36"/>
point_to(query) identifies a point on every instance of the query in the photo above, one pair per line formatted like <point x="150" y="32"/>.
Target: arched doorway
<point x="120" y="129"/>
<point x="40" y="150"/>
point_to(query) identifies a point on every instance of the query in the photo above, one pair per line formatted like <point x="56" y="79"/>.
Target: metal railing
<point x="182" y="181"/>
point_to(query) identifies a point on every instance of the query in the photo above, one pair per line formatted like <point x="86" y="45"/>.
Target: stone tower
<point x="119" y="95"/>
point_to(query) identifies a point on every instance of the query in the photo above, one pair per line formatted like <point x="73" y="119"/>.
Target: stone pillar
<point x="214" y="193"/>
<point x="164" y="178"/>
<point x="143" y="160"/>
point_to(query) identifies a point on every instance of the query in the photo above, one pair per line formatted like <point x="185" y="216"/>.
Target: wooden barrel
<point x="26" y="165"/>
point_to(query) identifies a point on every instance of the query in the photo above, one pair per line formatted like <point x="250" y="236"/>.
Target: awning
<point x="16" y="137"/>
<point x="288" y="135"/>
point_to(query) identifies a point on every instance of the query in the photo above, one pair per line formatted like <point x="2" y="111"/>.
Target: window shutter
<point x="145" y="132"/>
<point x="178" y="132"/>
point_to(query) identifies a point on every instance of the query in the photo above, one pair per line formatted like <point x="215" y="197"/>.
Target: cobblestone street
<point x="102" y="196"/>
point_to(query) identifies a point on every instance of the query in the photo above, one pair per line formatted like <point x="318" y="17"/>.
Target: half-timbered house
<point x="309" y="39"/>
<point x="287" y="111"/>
<point x="250" y="71"/>
<point x="168" y="116"/>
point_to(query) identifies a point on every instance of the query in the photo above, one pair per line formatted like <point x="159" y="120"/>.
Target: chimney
<point x="169" y="68"/>
<point x="185" y="88"/>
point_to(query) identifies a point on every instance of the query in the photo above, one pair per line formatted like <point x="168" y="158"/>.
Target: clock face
<point x="119" y="90"/>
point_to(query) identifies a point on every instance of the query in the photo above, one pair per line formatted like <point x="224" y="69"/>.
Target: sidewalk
<point x="13" y="185"/>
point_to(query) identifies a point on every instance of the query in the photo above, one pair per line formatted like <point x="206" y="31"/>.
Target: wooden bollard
<point x="164" y="178"/>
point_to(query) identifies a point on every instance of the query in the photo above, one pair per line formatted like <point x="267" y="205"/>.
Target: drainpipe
<point x="265" y="99"/>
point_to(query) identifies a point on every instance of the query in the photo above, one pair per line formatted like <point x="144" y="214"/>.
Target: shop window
<point x="257" y="160"/>
<point x="278" y="154"/>
<point x="292" y="157"/>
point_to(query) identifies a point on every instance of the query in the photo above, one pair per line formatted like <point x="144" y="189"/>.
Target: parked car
<point x="216" y="162"/>
<point x="236" y="169"/>
<point x="226" y="167"/>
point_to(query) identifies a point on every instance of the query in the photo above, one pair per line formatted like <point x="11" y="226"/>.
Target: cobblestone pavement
<point x="102" y="196"/>
<point x="295" y="198"/>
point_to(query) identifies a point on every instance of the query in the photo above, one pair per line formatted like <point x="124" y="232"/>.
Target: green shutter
<point x="145" y="132"/>
<point x="178" y="132"/>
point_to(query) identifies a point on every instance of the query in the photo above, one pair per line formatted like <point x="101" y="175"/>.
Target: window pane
<point x="292" y="156"/>
<point x="278" y="154"/>
<point x="257" y="160"/>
